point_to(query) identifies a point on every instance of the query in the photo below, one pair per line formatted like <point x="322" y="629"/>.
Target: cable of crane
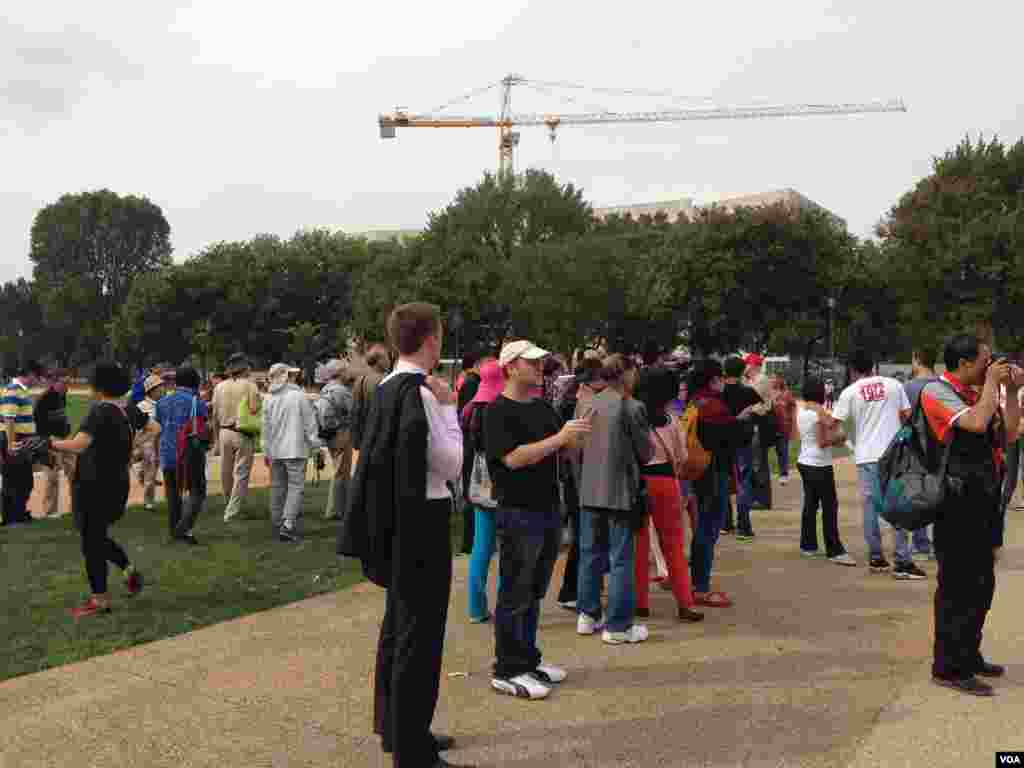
<point x="567" y="99"/>
<point x="466" y="97"/>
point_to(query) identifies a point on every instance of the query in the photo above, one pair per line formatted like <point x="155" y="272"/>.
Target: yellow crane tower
<point x="506" y="120"/>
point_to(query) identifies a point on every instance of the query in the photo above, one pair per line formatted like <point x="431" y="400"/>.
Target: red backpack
<point x="193" y="435"/>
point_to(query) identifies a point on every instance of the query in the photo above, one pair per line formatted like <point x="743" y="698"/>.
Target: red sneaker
<point x="88" y="608"/>
<point x="135" y="582"/>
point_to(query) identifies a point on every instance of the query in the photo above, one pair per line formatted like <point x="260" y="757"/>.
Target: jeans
<point x="287" y="487"/>
<point x="820" y="490"/>
<point x="710" y="515"/>
<point x="526" y="560"/>
<point x="871" y="494"/>
<point x="782" y="451"/>
<point x="617" y="547"/>
<point x="182" y="517"/>
<point x="744" y="489"/>
<point x="236" y="453"/>
<point x="762" y="482"/>
<point x="484" y="544"/>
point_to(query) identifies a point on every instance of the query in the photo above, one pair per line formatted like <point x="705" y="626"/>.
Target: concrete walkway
<point x="817" y="665"/>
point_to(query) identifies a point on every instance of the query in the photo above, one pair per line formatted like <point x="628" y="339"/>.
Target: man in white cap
<point x="290" y="433"/>
<point x="334" y="415"/>
<point x="236" y="447"/>
<point x="522" y="437"/>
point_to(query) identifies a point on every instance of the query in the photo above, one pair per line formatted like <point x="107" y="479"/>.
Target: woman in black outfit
<point x="99" y="489"/>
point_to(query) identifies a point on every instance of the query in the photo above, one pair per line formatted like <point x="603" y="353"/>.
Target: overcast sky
<point x="239" y="118"/>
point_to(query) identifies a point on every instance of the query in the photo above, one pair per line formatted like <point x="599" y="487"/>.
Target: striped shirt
<point x="16" y="408"/>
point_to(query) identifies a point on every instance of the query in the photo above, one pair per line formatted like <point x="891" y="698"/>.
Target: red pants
<point x="666" y="510"/>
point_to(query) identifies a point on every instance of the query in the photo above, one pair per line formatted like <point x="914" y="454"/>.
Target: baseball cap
<point x="526" y="350"/>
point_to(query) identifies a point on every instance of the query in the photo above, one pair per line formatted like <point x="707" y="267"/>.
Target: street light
<point x="831" y="328"/>
<point x="455" y="323"/>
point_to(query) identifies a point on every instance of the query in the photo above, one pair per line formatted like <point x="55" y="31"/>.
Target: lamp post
<point x="831" y="328"/>
<point x="455" y="323"/>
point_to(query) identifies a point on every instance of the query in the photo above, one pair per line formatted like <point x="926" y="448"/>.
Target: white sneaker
<point x="549" y="674"/>
<point x="569" y="605"/>
<point x="585" y="625"/>
<point x="843" y="559"/>
<point x="635" y="634"/>
<point x="810" y="553"/>
<point x="521" y="686"/>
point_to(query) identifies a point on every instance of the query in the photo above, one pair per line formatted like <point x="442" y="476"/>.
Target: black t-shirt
<point x="106" y="460"/>
<point x="737" y="397"/>
<point x="50" y="414"/>
<point x="507" y="425"/>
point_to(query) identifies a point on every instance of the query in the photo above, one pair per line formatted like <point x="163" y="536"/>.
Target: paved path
<point x="817" y="665"/>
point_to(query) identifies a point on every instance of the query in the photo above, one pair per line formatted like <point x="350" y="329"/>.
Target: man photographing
<point x="969" y="527"/>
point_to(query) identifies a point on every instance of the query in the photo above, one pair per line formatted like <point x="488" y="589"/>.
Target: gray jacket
<point x="289" y="424"/>
<point x="620" y="437"/>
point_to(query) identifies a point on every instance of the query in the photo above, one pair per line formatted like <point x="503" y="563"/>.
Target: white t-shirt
<point x="874" y="405"/>
<point x="811" y="455"/>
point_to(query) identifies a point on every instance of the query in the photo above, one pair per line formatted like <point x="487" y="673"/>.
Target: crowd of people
<point x="638" y="466"/>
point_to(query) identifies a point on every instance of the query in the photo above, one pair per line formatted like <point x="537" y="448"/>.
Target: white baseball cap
<point x="526" y="350"/>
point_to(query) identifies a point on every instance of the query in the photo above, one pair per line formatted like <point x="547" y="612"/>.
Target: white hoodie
<point x="290" y="430"/>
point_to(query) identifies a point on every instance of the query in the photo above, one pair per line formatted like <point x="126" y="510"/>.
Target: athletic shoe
<point x="480" y="619"/>
<point x="569" y="605"/>
<point x="923" y="557"/>
<point x="549" y="674"/>
<point x="134" y="582"/>
<point x="969" y="685"/>
<point x="746" y="538"/>
<point x="879" y="565"/>
<point x="843" y="559"/>
<point x="908" y="572"/>
<point x="586" y="625"/>
<point x="728" y="531"/>
<point x="521" y="686"/>
<point x="89" y="608"/>
<point x="991" y="670"/>
<point x="635" y="634"/>
<point x="188" y="538"/>
<point x="149" y="507"/>
<point x="810" y="553"/>
<point x="289" y="535"/>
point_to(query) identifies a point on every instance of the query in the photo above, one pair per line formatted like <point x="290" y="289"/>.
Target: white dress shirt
<point x="444" y="438"/>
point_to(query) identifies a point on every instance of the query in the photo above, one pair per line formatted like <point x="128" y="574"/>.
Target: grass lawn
<point x="238" y="569"/>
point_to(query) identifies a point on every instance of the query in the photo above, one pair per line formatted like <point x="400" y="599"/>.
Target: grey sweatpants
<point x="287" y="486"/>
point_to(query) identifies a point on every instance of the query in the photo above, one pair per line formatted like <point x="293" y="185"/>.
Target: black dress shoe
<point x="443" y="740"/>
<point x="991" y="670"/>
<point x="969" y="685"/>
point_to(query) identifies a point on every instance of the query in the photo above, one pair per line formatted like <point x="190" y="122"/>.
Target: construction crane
<point x="506" y="120"/>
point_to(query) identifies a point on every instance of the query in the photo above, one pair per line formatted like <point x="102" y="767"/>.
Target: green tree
<point x="87" y="250"/>
<point x="953" y="246"/>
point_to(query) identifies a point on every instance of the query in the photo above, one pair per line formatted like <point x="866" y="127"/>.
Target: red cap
<point x="753" y="360"/>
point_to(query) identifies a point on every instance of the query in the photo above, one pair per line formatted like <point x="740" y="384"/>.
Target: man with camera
<point x="962" y="411"/>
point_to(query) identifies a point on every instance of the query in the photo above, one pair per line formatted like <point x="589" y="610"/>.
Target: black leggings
<point x="820" y="489"/>
<point x="99" y="549"/>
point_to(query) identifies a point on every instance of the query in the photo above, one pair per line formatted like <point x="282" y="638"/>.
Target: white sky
<point x="241" y="118"/>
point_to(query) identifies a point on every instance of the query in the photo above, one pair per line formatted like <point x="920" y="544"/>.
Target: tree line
<point x="525" y="256"/>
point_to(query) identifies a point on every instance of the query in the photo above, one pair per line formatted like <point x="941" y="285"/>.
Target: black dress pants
<point x="18" y="481"/>
<point x="966" y="583"/>
<point x="411" y="645"/>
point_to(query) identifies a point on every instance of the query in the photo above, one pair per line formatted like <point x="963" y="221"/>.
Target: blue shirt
<point x="172" y="413"/>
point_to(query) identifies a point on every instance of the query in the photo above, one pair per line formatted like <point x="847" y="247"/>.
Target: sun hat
<point x="279" y="372"/>
<point x="492" y="382"/>
<point x="526" y="350"/>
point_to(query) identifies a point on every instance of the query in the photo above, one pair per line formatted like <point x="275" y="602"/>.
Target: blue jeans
<point x="484" y="544"/>
<point x="619" y="551"/>
<point x="526" y="559"/>
<point x="782" y="451"/>
<point x="744" y="488"/>
<point x="871" y="494"/>
<point x="710" y="515"/>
